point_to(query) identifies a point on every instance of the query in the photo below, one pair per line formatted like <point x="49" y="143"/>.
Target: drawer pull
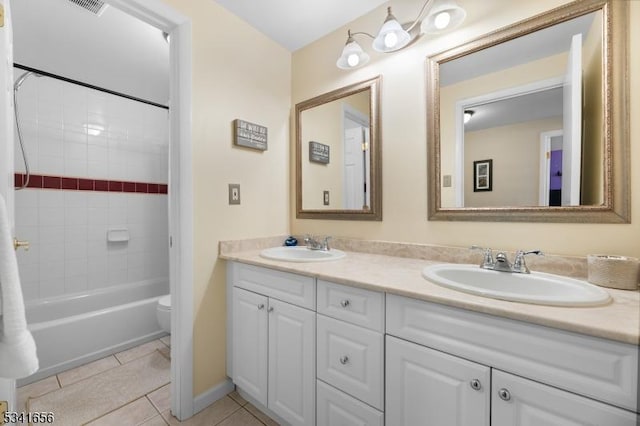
<point x="270" y="309"/>
<point x="261" y="306"/>
<point x="344" y="360"/>
<point x="504" y="394"/>
<point x="475" y="384"/>
<point x="344" y="303"/>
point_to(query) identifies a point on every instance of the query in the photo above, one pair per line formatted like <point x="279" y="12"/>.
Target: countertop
<point x="618" y="320"/>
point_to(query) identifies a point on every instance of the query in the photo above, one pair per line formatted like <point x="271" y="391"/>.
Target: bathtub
<point x="75" y="329"/>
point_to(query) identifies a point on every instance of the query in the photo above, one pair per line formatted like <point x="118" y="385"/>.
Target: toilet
<point x="164" y="313"/>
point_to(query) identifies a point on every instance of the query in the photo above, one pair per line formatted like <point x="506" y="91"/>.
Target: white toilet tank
<point x="164" y="313"/>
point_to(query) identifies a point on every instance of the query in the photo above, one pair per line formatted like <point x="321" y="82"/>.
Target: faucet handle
<point x="325" y="243"/>
<point x="487" y="260"/>
<point x="519" y="264"/>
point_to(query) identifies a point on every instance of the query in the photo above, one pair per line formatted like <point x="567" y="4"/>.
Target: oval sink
<point x="301" y="254"/>
<point x="536" y="287"/>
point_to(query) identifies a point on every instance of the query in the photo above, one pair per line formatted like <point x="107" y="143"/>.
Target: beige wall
<point x="592" y="130"/>
<point x="324" y="124"/>
<point x="404" y="138"/>
<point x="531" y="72"/>
<point x="515" y="151"/>
<point x="237" y="73"/>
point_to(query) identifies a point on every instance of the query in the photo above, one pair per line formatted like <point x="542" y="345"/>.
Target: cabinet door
<point x="292" y="336"/>
<point x="250" y="333"/>
<point x="521" y="402"/>
<point x="428" y="387"/>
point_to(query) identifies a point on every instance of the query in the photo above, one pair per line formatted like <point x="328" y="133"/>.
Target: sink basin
<point x="537" y="287"/>
<point x="301" y="254"/>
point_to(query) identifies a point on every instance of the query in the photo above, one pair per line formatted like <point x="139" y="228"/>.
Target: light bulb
<point x="390" y="40"/>
<point x="353" y="60"/>
<point x="442" y="20"/>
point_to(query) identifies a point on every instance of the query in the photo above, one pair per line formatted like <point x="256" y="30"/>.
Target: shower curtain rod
<point x="90" y="86"/>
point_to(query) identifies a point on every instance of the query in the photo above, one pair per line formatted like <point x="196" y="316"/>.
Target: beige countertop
<point x="619" y="320"/>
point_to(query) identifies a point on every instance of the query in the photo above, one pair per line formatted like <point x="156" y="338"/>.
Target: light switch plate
<point x="446" y="181"/>
<point x="234" y="193"/>
<point x="325" y="198"/>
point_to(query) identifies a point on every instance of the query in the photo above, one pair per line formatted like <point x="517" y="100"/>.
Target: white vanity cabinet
<point x="273" y="341"/>
<point x="465" y="368"/>
<point x="310" y="351"/>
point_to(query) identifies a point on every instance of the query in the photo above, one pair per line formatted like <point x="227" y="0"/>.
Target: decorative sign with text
<point x="249" y="135"/>
<point x="318" y="152"/>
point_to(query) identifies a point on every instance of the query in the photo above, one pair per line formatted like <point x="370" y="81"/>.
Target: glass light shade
<point x="352" y="56"/>
<point x="443" y="15"/>
<point x="391" y="36"/>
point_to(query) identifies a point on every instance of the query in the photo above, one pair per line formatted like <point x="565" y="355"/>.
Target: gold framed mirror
<point x="530" y="123"/>
<point x="338" y="154"/>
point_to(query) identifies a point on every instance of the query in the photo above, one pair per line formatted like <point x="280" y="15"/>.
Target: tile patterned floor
<point x="129" y="388"/>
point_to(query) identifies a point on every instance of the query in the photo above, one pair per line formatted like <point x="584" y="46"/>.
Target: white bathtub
<point x="72" y="330"/>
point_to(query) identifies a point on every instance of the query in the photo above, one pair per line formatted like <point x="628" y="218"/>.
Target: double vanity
<point x="357" y="338"/>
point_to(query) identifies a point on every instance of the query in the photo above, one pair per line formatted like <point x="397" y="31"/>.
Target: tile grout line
<point x="91" y="375"/>
<point x="116" y="409"/>
<point x="230" y="414"/>
<point x="254" y="416"/>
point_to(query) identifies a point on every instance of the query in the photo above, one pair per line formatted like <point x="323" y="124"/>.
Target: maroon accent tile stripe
<point x="81" y="184"/>
<point x="69" y="183"/>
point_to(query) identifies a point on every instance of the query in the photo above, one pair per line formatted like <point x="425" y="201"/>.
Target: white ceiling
<point x="114" y="51"/>
<point x="296" y="23"/>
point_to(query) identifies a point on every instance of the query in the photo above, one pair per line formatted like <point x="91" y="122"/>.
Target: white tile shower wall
<point x="73" y="131"/>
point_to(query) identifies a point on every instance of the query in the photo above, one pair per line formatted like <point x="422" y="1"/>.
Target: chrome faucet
<point x="313" y="244"/>
<point x="501" y="262"/>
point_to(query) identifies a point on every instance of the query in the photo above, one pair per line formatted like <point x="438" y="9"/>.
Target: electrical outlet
<point x="234" y="193"/>
<point x="325" y="197"/>
<point x="446" y="181"/>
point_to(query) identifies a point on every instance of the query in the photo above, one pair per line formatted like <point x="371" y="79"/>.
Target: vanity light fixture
<point x="393" y="36"/>
<point x="468" y="114"/>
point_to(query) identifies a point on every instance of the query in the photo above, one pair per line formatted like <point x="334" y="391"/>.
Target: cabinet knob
<point x="344" y="303"/>
<point x="270" y="309"/>
<point x="475" y="384"/>
<point x="344" y="359"/>
<point x="261" y="306"/>
<point x="504" y="394"/>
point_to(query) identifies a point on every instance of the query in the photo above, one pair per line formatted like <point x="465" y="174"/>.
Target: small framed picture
<point x="319" y="152"/>
<point x="482" y="175"/>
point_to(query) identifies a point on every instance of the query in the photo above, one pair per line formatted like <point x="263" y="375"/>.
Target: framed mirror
<point x="530" y="123"/>
<point x="338" y="162"/>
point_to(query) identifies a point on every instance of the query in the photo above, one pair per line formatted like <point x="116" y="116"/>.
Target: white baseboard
<point x="210" y="396"/>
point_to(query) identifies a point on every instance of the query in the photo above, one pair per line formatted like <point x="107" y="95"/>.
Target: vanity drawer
<point x="337" y="408"/>
<point x="350" y="358"/>
<point x="292" y="288"/>
<point x="601" y="369"/>
<point x="355" y="305"/>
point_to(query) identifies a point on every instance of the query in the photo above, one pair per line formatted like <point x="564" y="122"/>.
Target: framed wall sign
<point x="482" y="175"/>
<point x="249" y="135"/>
<point x="318" y="152"/>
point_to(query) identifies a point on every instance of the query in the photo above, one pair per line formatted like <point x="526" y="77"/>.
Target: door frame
<point x="545" y="164"/>
<point x="349" y="113"/>
<point x="181" y="257"/>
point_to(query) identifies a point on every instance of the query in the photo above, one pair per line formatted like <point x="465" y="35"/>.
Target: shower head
<point x="23" y="77"/>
